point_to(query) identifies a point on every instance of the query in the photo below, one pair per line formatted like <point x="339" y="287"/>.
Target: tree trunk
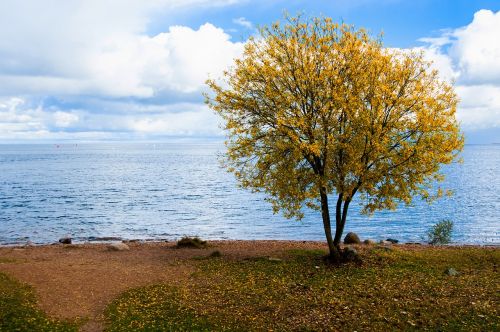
<point x="325" y="213"/>
<point x="341" y="219"/>
<point x="338" y="221"/>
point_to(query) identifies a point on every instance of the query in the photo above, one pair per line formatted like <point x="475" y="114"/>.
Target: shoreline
<point x="110" y="240"/>
<point x="155" y="242"/>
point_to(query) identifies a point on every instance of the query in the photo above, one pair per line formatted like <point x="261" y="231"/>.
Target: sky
<point x="134" y="70"/>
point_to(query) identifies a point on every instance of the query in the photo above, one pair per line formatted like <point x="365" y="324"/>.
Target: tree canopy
<point x="315" y="108"/>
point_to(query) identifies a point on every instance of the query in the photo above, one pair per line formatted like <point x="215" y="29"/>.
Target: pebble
<point x="273" y="259"/>
<point x="118" y="246"/>
<point x="451" y="272"/>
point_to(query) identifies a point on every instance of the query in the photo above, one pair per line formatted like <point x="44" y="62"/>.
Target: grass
<point x="393" y="289"/>
<point x="398" y="289"/>
<point x="19" y="310"/>
<point x="154" y="308"/>
<point x="6" y="260"/>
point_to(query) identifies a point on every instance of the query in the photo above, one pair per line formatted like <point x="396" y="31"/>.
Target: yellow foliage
<point x="314" y="108"/>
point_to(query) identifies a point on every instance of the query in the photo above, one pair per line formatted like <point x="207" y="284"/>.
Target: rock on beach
<point x="118" y="246"/>
<point x="65" y="240"/>
<point x="352" y="238"/>
<point x="350" y="254"/>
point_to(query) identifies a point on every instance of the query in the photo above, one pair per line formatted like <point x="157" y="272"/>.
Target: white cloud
<point x="97" y="55"/>
<point x="79" y="48"/>
<point x="20" y="120"/>
<point x="179" y="60"/>
<point x="64" y="119"/>
<point x="192" y="56"/>
<point x="243" y="22"/>
<point x="18" y="116"/>
<point x="470" y="56"/>
<point x="476" y="49"/>
<point x="480" y="106"/>
<point x="440" y="61"/>
<point x="197" y="122"/>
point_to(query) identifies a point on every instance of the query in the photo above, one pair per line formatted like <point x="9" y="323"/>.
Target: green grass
<point x="154" y="308"/>
<point x="7" y="260"/>
<point x="19" y="310"/>
<point x="396" y="289"/>
<point x="391" y="290"/>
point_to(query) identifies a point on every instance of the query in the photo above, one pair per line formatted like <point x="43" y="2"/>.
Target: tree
<point x="314" y="108"/>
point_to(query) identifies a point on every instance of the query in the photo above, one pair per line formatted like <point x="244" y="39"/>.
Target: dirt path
<point x="81" y="280"/>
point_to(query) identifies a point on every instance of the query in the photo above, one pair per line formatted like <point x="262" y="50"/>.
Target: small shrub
<point x="191" y="242"/>
<point x="216" y="253"/>
<point x="440" y="233"/>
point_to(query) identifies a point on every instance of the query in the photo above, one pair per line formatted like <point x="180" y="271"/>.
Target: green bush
<point x="191" y="242"/>
<point x="440" y="233"/>
<point x="216" y="253"/>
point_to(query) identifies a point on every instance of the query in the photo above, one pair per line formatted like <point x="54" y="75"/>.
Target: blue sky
<point x="403" y="21"/>
<point x="86" y="70"/>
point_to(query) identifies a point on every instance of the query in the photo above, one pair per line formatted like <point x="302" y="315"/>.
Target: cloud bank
<point x="78" y="72"/>
<point x="470" y="56"/>
<point x="70" y="70"/>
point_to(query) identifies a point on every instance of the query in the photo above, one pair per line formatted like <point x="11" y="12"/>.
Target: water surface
<point x="165" y="191"/>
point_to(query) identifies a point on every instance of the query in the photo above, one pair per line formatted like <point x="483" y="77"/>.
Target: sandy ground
<point x="79" y="281"/>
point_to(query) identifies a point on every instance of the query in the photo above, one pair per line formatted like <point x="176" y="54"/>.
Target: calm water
<point x="165" y="191"/>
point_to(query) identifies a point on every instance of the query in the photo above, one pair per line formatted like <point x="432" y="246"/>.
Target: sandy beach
<point x="80" y="280"/>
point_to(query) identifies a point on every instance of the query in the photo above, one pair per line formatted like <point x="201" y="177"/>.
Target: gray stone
<point x="369" y="242"/>
<point x="385" y="242"/>
<point x="134" y="241"/>
<point x="350" y="254"/>
<point x="118" y="246"/>
<point x="394" y="241"/>
<point x="451" y="272"/>
<point x="352" y="238"/>
<point x="65" y="240"/>
<point x="103" y="238"/>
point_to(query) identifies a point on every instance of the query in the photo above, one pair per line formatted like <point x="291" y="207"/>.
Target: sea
<point x="164" y="191"/>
